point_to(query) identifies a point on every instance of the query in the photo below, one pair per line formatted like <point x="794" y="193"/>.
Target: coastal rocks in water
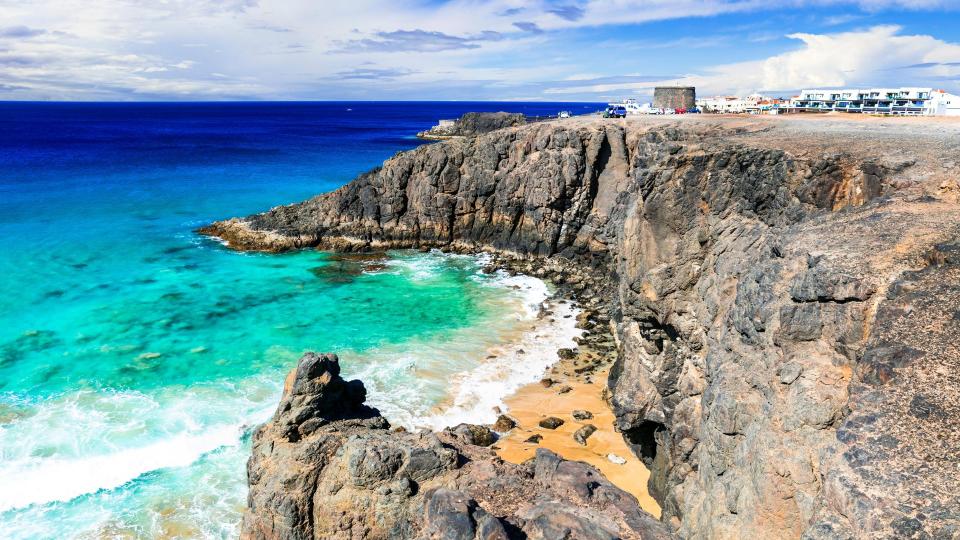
<point x="551" y="422"/>
<point x="504" y="424"/>
<point x="315" y="395"/>
<point x="345" y="267"/>
<point x="779" y="288"/>
<point x="328" y="466"/>
<point x="581" y="414"/>
<point x="473" y="124"/>
<point x="584" y="433"/>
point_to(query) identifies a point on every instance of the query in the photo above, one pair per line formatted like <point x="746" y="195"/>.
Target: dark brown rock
<point x="551" y="422"/>
<point x="584" y="433"/>
<point x="581" y="414"/>
<point x="474" y="434"/>
<point x="504" y="424"/>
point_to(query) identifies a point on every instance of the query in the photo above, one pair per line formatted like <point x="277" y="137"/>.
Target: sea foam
<point x="88" y="442"/>
<point x="47" y="480"/>
<point x="464" y="378"/>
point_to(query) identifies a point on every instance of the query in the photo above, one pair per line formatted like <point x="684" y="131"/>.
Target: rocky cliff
<point x="327" y="466"/>
<point x="785" y="299"/>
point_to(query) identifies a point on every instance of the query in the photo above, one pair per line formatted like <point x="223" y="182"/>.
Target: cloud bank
<point x="453" y="49"/>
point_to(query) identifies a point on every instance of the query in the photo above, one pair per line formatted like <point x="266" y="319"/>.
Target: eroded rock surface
<point x="328" y="466"/>
<point x="784" y="293"/>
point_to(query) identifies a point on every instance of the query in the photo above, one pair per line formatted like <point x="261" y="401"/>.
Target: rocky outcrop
<point x="473" y="124"/>
<point x="783" y="291"/>
<point x="328" y="466"/>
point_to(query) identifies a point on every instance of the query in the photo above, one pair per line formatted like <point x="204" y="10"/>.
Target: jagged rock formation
<point x="473" y="124"/>
<point x="785" y="296"/>
<point x="327" y="466"/>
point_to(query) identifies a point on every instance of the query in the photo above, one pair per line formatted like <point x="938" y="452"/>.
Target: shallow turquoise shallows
<point x="136" y="357"/>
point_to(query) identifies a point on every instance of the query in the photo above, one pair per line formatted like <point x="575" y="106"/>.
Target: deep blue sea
<point x="136" y="357"/>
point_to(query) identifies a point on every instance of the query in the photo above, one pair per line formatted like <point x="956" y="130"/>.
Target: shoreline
<point x="576" y="381"/>
<point x="585" y="372"/>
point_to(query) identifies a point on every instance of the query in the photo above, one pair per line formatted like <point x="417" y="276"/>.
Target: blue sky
<point x="592" y="50"/>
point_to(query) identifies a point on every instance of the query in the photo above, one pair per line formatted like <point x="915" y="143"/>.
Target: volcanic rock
<point x="584" y="433"/>
<point x="581" y="414"/>
<point x="474" y="434"/>
<point x="504" y="424"/>
<point x="349" y="476"/>
<point x="551" y="422"/>
<point x="783" y="292"/>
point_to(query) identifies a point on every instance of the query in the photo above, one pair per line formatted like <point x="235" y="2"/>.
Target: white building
<point x="897" y="101"/>
<point x="752" y="104"/>
<point x="723" y="104"/>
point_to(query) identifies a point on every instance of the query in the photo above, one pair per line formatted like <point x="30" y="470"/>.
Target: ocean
<point x="136" y="357"/>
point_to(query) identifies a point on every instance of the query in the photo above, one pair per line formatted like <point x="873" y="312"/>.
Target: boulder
<point x="550" y="422"/>
<point x="584" y="433"/>
<point x="474" y="434"/>
<point x="504" y="424"/>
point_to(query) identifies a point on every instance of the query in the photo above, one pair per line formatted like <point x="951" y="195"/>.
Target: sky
<point x="500" y="50"/>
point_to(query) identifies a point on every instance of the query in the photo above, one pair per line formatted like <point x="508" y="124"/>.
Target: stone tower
<point x="675" y="97"/>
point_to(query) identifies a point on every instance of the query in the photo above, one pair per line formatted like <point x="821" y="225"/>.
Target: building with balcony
<point x="908" y="101"/>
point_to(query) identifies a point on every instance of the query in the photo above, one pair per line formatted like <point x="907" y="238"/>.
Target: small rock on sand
<point x="546" y="382"/>
<point x="535" y="439"/>
<point x="564" y="389"/>
<point x="504" y="424"/>
<point x="551" y="422"/>
<point x="584" y="433"/>
<point x="581" y="414"/>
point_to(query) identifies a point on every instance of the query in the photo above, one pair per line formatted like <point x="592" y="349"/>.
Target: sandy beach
<point x="577" y="382"/>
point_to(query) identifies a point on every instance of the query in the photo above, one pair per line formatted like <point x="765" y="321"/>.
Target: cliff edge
<point x="785" y="296"/>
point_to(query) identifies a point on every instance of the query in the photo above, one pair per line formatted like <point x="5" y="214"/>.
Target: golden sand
<point x="535" y="402"/>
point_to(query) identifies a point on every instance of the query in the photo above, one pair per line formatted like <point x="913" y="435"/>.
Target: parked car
<point x="669" y="111"/>
<point x="615" y="112"/>
<point x="693" y="110"/>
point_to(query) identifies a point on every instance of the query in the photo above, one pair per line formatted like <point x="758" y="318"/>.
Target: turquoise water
<point x="129" y="411"/>
<point x="136" y="357"/>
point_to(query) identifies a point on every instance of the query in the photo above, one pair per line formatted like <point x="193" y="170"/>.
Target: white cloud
<point x="97" y="49"/>
<point x="878" y="56"/>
